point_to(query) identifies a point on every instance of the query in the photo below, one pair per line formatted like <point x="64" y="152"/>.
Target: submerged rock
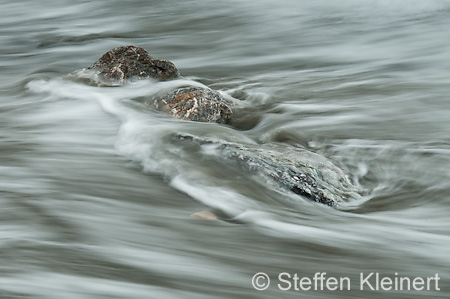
<point x="126" y="62"/>
<point x="290" y="167"/>
<point x="205" y="215"/>
<point x="196" y="104"/>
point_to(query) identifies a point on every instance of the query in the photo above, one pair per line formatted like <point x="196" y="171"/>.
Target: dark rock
<point x="122" y="63"/>
<point x="196" y="104"/>
<point x="290" y="167"/>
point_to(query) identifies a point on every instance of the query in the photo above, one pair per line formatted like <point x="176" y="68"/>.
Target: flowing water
<point x="95" y="197"/>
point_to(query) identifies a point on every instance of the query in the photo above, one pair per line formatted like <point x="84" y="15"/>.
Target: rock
<point x="126" y="62"/>
<point x="205" y="215"/>
<point x="196" y="104"/>
<point x="292" y="168"/>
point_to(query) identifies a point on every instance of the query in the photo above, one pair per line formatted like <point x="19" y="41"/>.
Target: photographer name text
<point x="372" y="281"/>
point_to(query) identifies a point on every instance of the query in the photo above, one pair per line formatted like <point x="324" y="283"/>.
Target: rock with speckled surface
<point x="127" y="62"/>
<point x="196" y="104"/>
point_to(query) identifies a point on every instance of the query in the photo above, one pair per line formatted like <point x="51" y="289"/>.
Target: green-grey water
<point x="95" y="198"/>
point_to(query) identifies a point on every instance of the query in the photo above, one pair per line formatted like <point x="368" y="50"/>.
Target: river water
<point x="95" y="200"/>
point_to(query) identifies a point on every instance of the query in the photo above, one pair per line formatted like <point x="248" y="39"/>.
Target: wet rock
<point x="205" y="215"/>
<point x="196" y="104"/>
<point x="290" y="167"/>
<point x="126" y="62"/>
